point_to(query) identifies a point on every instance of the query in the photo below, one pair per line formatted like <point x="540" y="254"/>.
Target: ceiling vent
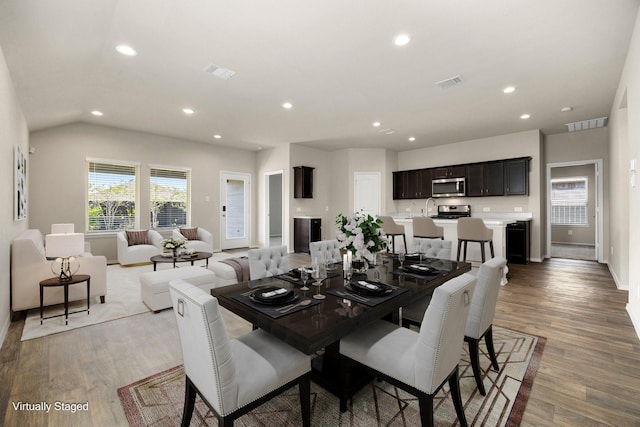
<point x="587" y="124"/>
<point x="387" y="131"/>
<point x="218" y="71"/>
<point x="450" y="82"/>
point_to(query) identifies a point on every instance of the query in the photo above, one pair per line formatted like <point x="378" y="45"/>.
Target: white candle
<point x="345" y="262"/>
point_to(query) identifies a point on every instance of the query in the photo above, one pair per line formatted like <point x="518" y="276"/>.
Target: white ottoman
<point x="225" y="274"/>
<point x="154" y="285"/>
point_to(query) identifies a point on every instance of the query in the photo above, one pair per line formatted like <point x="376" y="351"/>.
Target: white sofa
<point x="137" y="254"/>
<point x="29" y="266"/>
<point x="204" y="243"/>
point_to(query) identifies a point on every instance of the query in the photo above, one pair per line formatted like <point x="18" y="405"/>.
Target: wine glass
<point x="401" y="258"/>
<point x="304" y="276"/>
<point x="320" y="274"/>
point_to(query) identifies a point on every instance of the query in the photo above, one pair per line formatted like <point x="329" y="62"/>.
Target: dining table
<point x="315" y="326"/>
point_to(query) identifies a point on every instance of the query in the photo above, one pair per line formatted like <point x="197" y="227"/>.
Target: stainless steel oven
<point x="448" y="187"/>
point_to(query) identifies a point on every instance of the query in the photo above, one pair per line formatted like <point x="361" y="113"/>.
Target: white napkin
<point x="367" y="285"/>
<point x="274" y="293"/>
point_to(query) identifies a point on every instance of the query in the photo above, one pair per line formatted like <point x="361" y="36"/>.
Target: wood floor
<point x="589" y="374"/>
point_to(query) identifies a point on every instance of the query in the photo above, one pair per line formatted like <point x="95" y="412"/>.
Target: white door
<point x="274" y="208"/>
<point x="235" y="196"/>
<point x="366" y="192"/>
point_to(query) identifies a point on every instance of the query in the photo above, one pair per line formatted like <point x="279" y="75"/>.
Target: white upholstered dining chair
<point x="481" y="314"/>
<point x="232" y="376"/>
<point x="327" y="250"/>
<point x="418" y="362"/>
<point x="267" y="262"/>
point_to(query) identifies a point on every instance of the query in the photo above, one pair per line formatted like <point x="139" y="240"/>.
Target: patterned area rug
<point x="158" y="400"/>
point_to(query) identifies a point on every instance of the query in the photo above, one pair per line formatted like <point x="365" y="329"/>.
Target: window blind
<point x="169" y="197"/>
<point x="111" y="197"/>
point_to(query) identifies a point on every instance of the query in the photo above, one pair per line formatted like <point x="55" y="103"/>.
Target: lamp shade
<point x="64" y="244"/>
<point x="62" y="228"/>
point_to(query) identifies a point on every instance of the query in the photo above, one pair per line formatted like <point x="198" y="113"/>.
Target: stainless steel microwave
<point x="448" y="187"/>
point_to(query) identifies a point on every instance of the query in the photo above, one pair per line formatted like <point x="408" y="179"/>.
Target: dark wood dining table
<point x="317" y="329"/>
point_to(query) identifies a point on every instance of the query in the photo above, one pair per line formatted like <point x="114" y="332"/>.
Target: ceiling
<point x="334" y="60"/>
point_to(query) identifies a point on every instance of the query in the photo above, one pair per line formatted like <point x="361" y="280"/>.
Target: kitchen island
<point x="497" y="222"/>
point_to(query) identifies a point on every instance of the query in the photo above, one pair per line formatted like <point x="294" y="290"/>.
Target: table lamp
<point x="64" y="247"/>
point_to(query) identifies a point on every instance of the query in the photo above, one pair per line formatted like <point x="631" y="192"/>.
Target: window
<point x="112" y="196"/>
<point x="569" y="199"/>
<point x="169" y="193"/>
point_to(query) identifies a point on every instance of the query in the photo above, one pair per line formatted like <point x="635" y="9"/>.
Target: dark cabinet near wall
<point x="518" y="241"/>
<point x="305" y="231"/>
<point x="412" y="184"/>
<point x="302" y="182"/>
<point x="485" y="179"/>
<point x="449" y="172"/>
<point x="506" y="177"/>
<point x="517" y="177"/>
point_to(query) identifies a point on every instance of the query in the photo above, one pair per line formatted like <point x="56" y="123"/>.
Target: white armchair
<point x="29" y="266"/>
<point x="203" y="241"/>
<point x="268" y="262"/>
<point x="135" y="251"/>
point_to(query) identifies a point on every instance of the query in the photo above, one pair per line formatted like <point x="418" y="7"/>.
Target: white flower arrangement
<point x="174" y="244"/>
<point x="360" y="233"/>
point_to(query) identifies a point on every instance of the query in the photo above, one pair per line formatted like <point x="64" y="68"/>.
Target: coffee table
<point x="196" y="256"/>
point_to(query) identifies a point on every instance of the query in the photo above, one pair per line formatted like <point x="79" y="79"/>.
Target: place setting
<point x="275" y="301"/>
<point x="366" y="291"/>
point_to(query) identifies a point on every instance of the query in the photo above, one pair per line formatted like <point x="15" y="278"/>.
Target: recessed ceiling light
<point x="188" y="111"/>
<point x="216" y="136"/>
<point x="509" y="89"/>
<point x="97" y="113"/>
<point x="259" y="147"/>
<point x="525" y="116"/>
<point x="287" y="105"/>
<point x="402" y="39"/>
<point x="126" y="50"/>
<point x="566" y="109"/>
<point x="412" y="138"/>
<point x="376" y="124"/>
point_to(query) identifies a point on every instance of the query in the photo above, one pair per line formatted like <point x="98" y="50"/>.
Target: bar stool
<point x="392" y="229"/>
<point x="425" y="227"/>
<point x="474" y="230"/>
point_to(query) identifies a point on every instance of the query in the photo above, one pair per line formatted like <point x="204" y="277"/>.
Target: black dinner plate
<point x="370" y="288"/>
<point x="273" y="295"/>
<point x="421" y="269"/>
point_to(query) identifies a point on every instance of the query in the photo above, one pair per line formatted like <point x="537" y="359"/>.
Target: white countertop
<point x="495" y="219"/>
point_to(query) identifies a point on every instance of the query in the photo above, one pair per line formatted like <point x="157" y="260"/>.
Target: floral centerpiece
<point x="361" y="234"/>
<point x="174" y="244"/>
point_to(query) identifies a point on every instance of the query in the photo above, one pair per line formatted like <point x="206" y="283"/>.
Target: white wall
<point x="58" y="175"/>
<point x="272" y="160"/>
<point x="624" y="139"/>
<point x="521" y="144"/>
<point x="13" y="131"/>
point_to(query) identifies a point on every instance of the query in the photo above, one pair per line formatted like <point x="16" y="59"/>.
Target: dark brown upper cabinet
<point x="485" y="179"/>
<point x="449" y="172"/>
<point x="517" y="177"/>
<point x="412" y="184"/>
<point x="302" y="182"/>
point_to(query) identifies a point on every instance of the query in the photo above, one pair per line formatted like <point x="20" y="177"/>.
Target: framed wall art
<point x="20" y="179"/>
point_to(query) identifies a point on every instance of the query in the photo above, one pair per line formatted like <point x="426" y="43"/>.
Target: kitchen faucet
<point x="435" y="205"/>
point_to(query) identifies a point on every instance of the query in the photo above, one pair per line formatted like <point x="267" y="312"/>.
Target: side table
<point x="56" y="281"/>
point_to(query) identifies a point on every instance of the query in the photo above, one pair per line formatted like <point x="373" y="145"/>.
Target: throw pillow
<point x="190" y="233"/>
<point x="137" y="237"/>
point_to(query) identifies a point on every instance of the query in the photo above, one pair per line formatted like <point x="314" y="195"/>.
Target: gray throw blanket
<point x="241" y="267"/>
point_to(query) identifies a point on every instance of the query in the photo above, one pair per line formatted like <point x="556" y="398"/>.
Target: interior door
<point x="235" y="196"/>
<point x="366" y="192"/>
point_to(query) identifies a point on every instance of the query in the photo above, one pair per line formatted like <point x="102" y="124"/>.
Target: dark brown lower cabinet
<point x="305" y="231"/>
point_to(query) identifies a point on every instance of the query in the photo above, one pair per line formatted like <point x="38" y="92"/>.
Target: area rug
<point x="158" y="400"/>
<point x="122" y="300"/>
